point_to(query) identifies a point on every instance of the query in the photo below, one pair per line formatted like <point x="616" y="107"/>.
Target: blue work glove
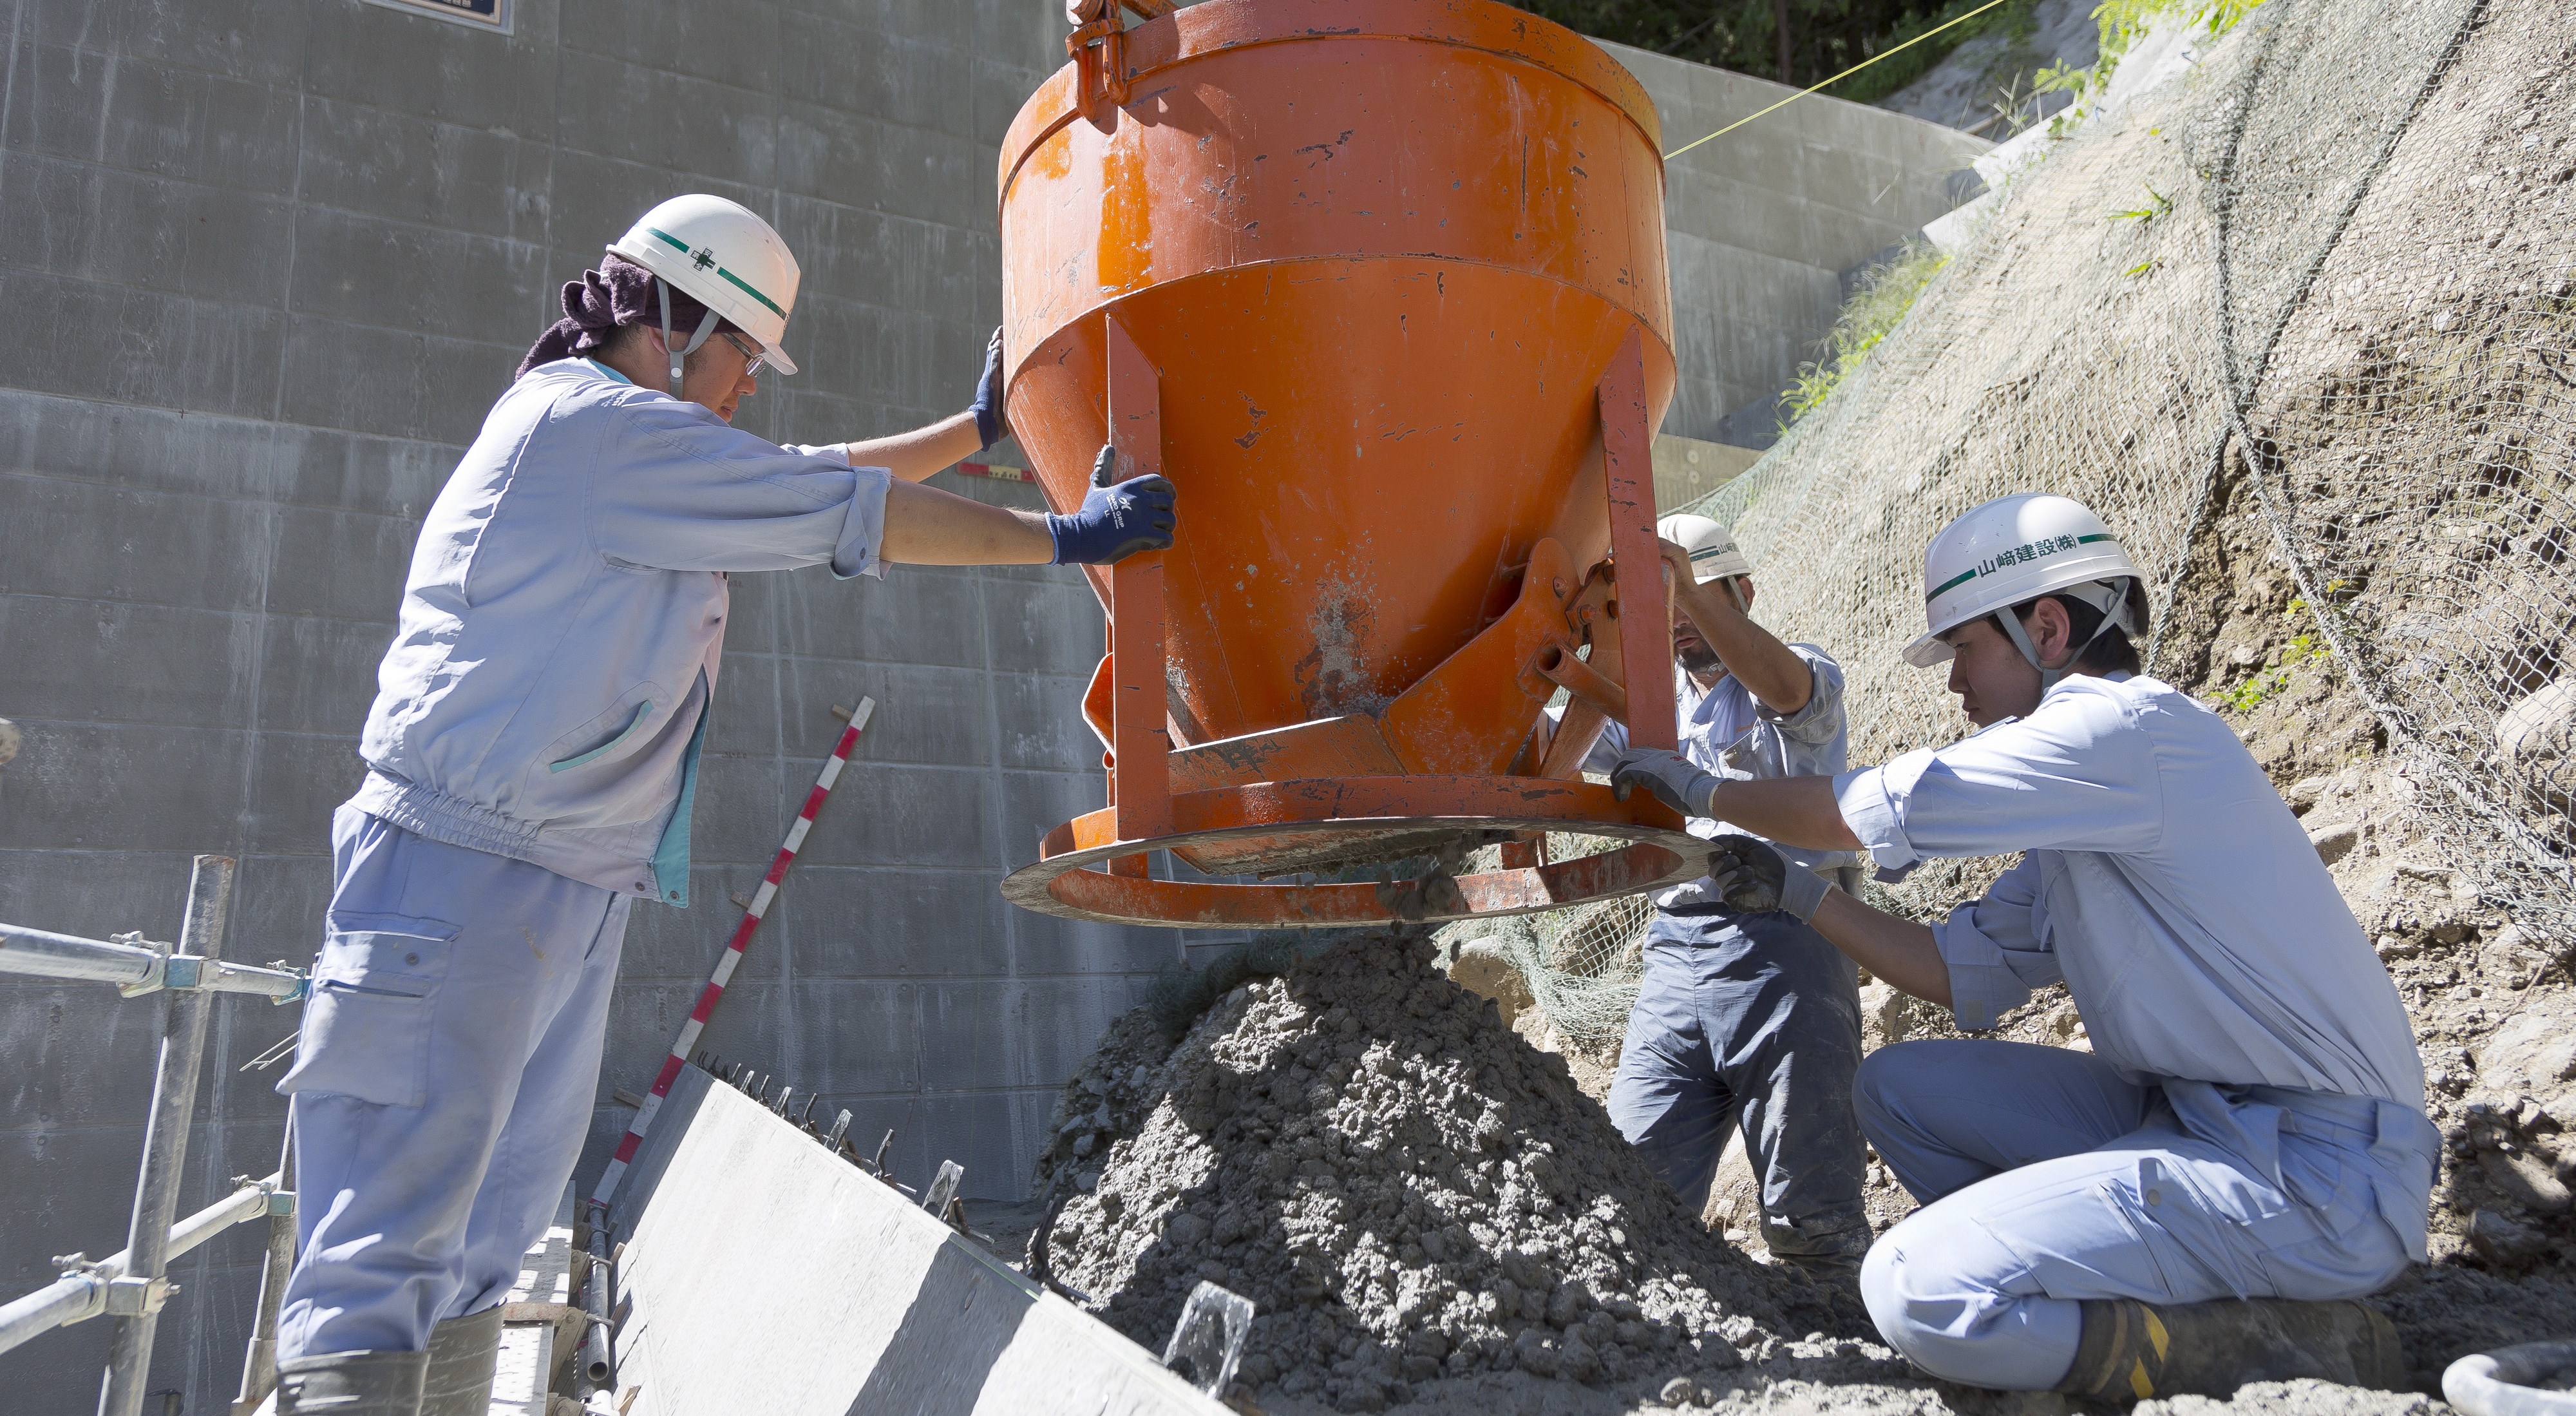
<point x="1675" y="780"/>
<point x="1117" y="519"/>
<point x="987" y="406"/>
<point x="1751" y="875"/>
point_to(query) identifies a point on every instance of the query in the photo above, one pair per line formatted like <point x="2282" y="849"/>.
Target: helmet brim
<point x="1732" y="563"/>
<point x="1929" y="650"/>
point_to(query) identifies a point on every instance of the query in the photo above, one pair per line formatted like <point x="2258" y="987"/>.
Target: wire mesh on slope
<point x="2341" y="252"/>
<point x="1582" y="964"/>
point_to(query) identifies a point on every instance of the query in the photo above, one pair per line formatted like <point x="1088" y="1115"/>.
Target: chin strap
<point x="706" y="326"/>
<point x="2112" y="618"/>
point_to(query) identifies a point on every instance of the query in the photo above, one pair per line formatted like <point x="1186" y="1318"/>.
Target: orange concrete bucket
<point x="1380" y="285"/>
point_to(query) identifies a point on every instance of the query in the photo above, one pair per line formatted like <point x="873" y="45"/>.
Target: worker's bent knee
<point x="1944" y="1296"/>
<point x="1880" y="1087"/>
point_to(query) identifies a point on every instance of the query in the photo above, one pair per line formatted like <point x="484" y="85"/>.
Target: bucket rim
<point x="1217" y="26"/>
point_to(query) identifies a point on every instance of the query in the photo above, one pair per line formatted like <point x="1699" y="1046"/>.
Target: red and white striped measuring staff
<point x="715" y="988"/>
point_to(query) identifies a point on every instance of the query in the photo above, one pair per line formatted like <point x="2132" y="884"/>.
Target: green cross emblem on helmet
<point x="705" y="257"/>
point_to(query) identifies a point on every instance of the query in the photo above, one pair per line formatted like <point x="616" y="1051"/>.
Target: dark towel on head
<point x="620" y="292"/>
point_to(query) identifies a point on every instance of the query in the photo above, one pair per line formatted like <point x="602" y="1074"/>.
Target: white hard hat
<point x="1712" y="547"/>
<point x="2014" y="549"/>
<point x="725" y="256"/>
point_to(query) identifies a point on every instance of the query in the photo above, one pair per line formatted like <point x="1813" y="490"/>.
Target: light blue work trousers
<point x="444" y="1080"/>
<point x="1750" y="1020"/>
<point x="2046" y="1179"/>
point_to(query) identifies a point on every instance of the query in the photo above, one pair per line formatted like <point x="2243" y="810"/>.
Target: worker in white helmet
<point x="1746" y="1020"/>
<point x="531" y="764"/>
<point x="2249" y="1124"/>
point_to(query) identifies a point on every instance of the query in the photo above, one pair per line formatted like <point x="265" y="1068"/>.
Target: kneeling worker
<point x="1746" y="1020"/>
<point x="531" y="761"/>
<point x="2249" y="1124"/>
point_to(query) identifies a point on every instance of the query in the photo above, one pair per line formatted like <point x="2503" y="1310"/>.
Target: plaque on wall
<point x="493" y="15"/>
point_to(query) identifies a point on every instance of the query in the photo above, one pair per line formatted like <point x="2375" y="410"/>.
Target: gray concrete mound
<point x="1406" y="1188"/>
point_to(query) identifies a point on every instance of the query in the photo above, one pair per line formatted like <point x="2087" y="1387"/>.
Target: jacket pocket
<point x="366" y="1029"/>
<point x="606" y="733"/>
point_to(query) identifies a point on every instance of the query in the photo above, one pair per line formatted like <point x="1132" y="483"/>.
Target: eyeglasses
<point x="748" y="351"/>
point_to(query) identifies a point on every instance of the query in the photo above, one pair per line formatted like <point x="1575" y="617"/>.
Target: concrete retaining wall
<point x="764" y="1274"/>
<point x="268" y="261"/>
<point x="1767" y="223"/>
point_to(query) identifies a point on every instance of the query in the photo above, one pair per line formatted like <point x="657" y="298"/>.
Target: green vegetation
<point x="1825" y="37"/>
<point x="2157" y="205"/>
<point x="2254" y="692"/>
<point x="1877" y="306"/>
<point x="2123" y="23"/>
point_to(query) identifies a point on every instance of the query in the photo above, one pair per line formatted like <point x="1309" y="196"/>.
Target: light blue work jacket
<point x="546" y="694"/>
<point x="2193" y="924"/>
<point x="2166" y="883"/>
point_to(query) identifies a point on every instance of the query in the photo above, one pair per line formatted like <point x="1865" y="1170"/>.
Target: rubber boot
<point x="2131" y="1350"/>
<point x="1830" y="1257"/>
<point x="462" y="1354"/>
<point x="351" y="1384"/>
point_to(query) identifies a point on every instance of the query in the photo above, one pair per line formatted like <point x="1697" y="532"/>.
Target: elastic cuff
<point x="1704" y="798"/>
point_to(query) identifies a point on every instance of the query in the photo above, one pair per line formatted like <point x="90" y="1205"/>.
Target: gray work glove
<point x="1752" y="876"/>
<point x="1675" y="780"/>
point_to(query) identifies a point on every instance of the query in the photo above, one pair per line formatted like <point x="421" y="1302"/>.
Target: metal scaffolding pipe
<point x="259" y="1363"/>
<point x="136" y="1297"/>
<point x="137" y="968"/>
<point x="77" y="1297"/>
<point x="598" y="1344"/>
<point x="67" y="1300"/>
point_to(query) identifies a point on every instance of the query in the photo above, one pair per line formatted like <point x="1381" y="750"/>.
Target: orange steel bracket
<point x="1142" y="786"/>
<point x="1645" y="626"/>
<point x="1099" y="52"/>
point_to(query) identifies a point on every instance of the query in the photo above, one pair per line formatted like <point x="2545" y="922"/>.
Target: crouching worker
<point x="531" y="762"/>
<point x="1746" y="1019"/>
<point x="2185" y="1208"/>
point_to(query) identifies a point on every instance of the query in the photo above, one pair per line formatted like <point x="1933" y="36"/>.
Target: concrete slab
<point x="763" y="1273"/>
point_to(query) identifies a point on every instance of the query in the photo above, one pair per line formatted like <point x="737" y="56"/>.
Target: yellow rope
<point x="1838" y="78"/>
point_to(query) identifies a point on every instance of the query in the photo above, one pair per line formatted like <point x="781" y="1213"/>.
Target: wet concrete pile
<point x="1406" y="1188"/>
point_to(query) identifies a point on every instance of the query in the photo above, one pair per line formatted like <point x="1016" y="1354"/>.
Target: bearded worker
<point x="1746" y="1019"/>
<point x="2192" y="1204"/>
<point x="531" y="764"/>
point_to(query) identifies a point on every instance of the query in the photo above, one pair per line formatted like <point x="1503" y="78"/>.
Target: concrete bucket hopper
<point x="1380" y="285"/>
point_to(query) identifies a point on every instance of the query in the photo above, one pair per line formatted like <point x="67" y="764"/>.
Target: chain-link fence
<point x="2339" y="260"/>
